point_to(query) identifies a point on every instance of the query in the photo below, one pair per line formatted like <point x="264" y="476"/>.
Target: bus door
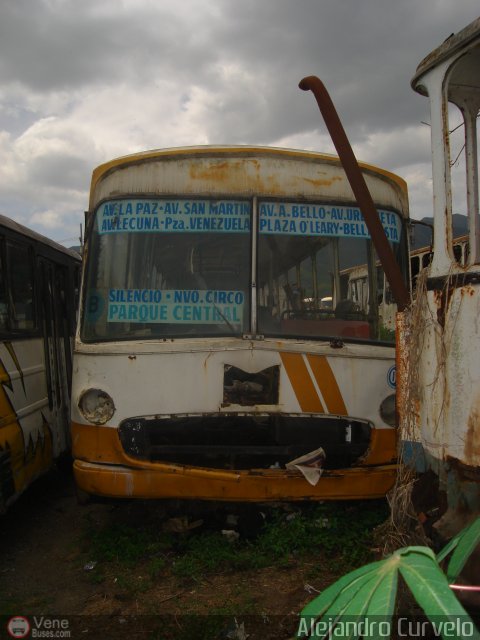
<point x="57" y="350"/>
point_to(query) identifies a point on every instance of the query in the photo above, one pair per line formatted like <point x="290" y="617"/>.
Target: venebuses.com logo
<point x="18" y="627"/>
<point x="38" y="627"/>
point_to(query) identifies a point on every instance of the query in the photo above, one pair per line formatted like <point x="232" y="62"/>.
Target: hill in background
<point x="422" y="235"/>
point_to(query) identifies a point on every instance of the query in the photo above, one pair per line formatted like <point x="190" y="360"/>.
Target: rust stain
<point x="226" y="171"/>
<point x="442" y="300"/>
<point x="402" y="363"/>
<point x="205" y="362"/>
<point x="215" y="172"/>
<point x="323" y="183"/>
<point x="271" y="183"/>
<point x="438" y="300"/>
<point x="221" y="171"/>
<point x="468" y="290"/>
<point x="472" y="439"/>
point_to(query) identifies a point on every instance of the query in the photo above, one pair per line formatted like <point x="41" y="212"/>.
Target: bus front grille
<point x="222" y="441"/>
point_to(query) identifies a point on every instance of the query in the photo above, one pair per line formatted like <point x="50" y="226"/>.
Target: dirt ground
<point x="44" y="570"/>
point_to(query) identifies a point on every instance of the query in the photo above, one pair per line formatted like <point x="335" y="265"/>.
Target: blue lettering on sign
<point x="186" y="296"/>
<point x="134" y="295"/>
<point x="224" y="297"/>
<point x="322" y="220"/>
<point x="170" y="216"/>
<point x="175" y="306"/>
<point x="95" y="305"/>
<point x="392" y="377"/>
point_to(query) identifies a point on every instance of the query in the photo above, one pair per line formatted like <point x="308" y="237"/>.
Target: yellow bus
<point x="217" y="356"/>
<point x="39" y="282"/>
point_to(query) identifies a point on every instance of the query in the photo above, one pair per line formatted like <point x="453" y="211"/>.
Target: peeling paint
<point x="129" y="484"/>
<point x="445" y="369"/>
<point x="323" y="182"/>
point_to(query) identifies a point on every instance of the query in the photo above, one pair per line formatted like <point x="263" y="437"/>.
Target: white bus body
<point x="206" y="359"/>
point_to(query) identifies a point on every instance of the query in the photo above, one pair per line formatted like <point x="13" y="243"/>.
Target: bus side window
<point x="3" y="293"/>
<point x="20" y="270"/>
<point x="414" y="270"/>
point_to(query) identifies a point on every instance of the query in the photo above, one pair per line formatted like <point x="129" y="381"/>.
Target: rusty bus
<point x="39" y="281"/>
<point x="438" y="355"/>
<point x="216" y="357"/>
<point x="438" y="371"/>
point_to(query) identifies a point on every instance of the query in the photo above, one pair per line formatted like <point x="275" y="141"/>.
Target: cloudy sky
<point x="83" y="81"/>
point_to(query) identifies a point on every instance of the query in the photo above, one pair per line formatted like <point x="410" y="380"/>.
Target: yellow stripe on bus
<point x="327" y="384"/>
<point x="301" y="382"/>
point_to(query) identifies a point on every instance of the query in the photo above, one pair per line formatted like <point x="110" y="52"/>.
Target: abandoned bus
<point x="355" y="282"/>
<point x="39" y="282"/>
<point x="439" y="399"/>
<point x="218" y="356"/>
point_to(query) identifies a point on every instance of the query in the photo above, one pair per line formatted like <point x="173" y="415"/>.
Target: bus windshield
<point x="171" y="268"/>
<point x="319" y="275"/>
<point x="183" y="268"/>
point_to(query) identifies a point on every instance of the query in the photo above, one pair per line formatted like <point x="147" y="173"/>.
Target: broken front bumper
<point x="258" y="485"/>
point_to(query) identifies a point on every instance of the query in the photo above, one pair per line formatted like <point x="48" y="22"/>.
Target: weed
<point x="340" y="532"/>
<point x="97" y="576"/>
<point x="156" y="566"/>
<point x="124" y="582"/>
<point x="142" y="584"/>
<point x="126" y="544"/>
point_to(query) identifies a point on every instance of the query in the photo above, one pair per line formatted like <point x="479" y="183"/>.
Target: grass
<point x="340" y="532"/>
<point x="126" y="544"/>
<point x="200" y="583"/>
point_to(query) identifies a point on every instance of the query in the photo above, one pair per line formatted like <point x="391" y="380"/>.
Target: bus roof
<point x="452" y="45"/>
<point x="10" y="224"/>
<point x="231" y="150"/>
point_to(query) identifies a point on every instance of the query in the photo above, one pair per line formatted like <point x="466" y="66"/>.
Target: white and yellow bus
<point x="216" y="346"/>
<point x="39" y="282"/>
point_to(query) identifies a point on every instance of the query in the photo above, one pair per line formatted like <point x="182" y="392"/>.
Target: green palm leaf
<point x="368" y="594"/>
<point x="382" y="603"/>
<point x="429" y="585"/>
<point x="352" y="580"/>
<point x="430" y="588"/>
<point x="466" y="543"/>
<point x="351" y="598"/>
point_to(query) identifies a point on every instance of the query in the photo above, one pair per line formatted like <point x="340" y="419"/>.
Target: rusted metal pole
<point x="359" y="188"/>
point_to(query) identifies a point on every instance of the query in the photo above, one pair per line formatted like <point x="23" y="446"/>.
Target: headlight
<point x="387" y="410"/>
<point x="96" y="406"/>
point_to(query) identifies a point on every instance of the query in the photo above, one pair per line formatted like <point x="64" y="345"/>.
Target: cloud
<point x="82" y="82"/>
